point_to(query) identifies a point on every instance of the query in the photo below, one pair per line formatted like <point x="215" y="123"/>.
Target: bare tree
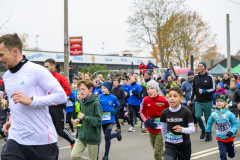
<point x="2" y="26"/>
<point x="148" y="17"/>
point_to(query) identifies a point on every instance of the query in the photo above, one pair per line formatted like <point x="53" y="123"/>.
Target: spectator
<point x="179" y="82"/>
<point x="196" y="71"/>
<point x="142" y="68"/>
<point x="219" y="79"/>
<point x="58" y="68"/>
<point x="226" y="79"/>
<point x="80" y="75"/>
<point x="171" y="82"/>
<point x="238" y="80"/>
<point x="100" y="76"/>
<point x="220" y="89"/>
<point x="167" y="73"/>
<point x="71" y="74"/>
<point x="234" y="77"/>
<point x="203" y="87"/>
<point x="230" y="98"/>
<point x="150" y="66"/>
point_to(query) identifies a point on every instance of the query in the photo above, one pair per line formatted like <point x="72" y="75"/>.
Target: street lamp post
<point x="37" y="41"/>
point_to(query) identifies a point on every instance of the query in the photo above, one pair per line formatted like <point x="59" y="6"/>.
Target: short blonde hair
<point x="80" y="74"/>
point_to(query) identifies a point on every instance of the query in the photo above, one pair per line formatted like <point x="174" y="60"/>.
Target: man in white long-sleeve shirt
<point x="177" y="124"/>
<point x="31" y="133"/>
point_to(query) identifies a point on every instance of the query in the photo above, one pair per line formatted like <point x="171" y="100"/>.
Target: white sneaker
<point x="131" y="129"/>
<point x="73" y="134"/>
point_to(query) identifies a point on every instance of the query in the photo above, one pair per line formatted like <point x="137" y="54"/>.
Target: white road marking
<point x="65" y="147"/>
<point x="144" y="134"/>
<point x="209" y="152"/>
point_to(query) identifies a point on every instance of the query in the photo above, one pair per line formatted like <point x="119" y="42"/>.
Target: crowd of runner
<point x="37" y="102"/>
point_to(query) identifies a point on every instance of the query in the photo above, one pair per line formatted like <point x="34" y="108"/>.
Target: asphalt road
<point x="136" y="146"/>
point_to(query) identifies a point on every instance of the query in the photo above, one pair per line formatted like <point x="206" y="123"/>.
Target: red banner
<point x="76" y="46"/>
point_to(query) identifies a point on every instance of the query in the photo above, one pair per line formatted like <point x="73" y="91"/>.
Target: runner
<point x="177" y="124"/>
<point x="31" y="132"/>
<point x="203" y="87"/>
<point x="226" y="125"/>
<point x="58" y="113"/>
<point x="108" y="101"/>
<point x="187" y="89"/>
<point x="134" y="102"/>
<point x="119" y="93"/>
<point x="91" y="119"/>
<point x="151" y="109"/>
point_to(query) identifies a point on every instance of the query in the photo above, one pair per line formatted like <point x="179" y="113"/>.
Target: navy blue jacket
<point x="150" y="66"/>
<point x="167" y="73"/>
<point x="187" y="88"/>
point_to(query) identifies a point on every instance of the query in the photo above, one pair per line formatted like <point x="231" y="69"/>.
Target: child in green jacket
<point x="89" y="135"/>
<point x="78" y="109"/>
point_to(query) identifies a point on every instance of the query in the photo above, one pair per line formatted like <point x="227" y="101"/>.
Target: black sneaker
<point x="202" y="136"/>
<point x="105" y="158"/>
<point x="118" y="129"/>
<point x="123" y="123"/>
<point x="120" y="136"/>
<point x="208" y="137"/>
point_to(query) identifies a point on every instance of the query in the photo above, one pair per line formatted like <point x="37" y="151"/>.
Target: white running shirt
<point x="32" y="124"/>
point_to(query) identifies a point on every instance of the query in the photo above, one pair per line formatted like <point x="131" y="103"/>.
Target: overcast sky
<point x="103" y="21"/>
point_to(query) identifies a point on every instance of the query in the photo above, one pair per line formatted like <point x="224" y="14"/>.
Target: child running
<point x="78" y="109"/>
<point x="107" y="102"/>
<point x="177" y="124"/>
<point x="226" y="125"/>
<point x="91" y="119"/>
<point x="151" y="109"/>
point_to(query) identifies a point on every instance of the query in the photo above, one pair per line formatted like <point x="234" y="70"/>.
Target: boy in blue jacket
<point x="226" y="126"/>
<point x="108" y="101"/>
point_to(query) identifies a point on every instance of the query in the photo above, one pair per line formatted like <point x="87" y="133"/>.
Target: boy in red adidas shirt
<point x="151" y="109"/>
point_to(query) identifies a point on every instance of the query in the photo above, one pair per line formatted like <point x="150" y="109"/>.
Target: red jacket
<point x="142" y="68"/>
<point x="64" y="82"/>
<point x="153" y="107"/>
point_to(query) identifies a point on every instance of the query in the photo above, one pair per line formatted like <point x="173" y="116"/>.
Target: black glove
<point x="229" y="134"/>
<point x="135" y="94"/>
<point x="151" y="124"/>
<point x="72" y="99"/>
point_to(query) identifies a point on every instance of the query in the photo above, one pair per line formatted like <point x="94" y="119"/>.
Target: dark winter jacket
<point x="226" y="83"/>
<point x="143" y="92"/>
<point x="207" y="84"/>
<point x="150" y="66"/>
<point x="187" y="88"/>
<point x="119" y="93"/>
<point x="167" y="73"/>
<point x="231" y="105"/>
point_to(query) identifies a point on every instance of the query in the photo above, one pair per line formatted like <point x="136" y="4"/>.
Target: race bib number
<point x="223" y="127"/>
<point x="157" y="121"/>
<point x="131" y="93"/>
<point x="106" y="116"/>
<point x="69" y="103"/>
<point x="172" y="138"/>
<point x="230" y="103"/>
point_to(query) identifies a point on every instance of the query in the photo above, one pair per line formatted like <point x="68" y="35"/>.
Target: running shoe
<point x="73" y="134"/>
<point x="118" y="129"/>
<point x="196" y="127"/>
<point x="72" y="146"/>
<point x="123" y="123"/>
<point x="136" y="124"/>
<point x="131" y="129"/>
<point x="120" y="136"/>
<point x="144" y="130"/>
<point x="105" y="158"/>
<point x="202" y="136"/>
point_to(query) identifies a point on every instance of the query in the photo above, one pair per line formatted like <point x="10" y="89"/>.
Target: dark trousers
<point x="107" y="129"/>
<point x="192" y="107"/>
<point x="225" y="148"/>
<point x="177" y="152"/>
<point x="14" y="151"/>
<point x="58" y="115"/>
<point x="121" y="116"/>
<point x="68" y="120"/>
<point x="117" y="121"/>
<point x="136" y="109"/>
